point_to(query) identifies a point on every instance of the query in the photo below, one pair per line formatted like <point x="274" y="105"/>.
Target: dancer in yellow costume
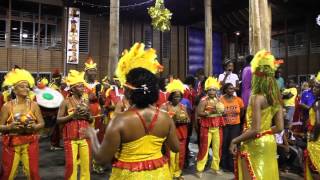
<point x="210" y="109"/>
<point x="257" y="157"/>
<point x="178" y="112"/>
<point x="20" y="120"/>
<point x="312" y="153"/>
<point x="74" y="114"/>
<point x="137" y="153"/>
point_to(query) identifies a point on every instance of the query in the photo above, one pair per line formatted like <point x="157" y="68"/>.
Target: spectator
<point x="279" y="78"/>
<point x="307" y="99"/>
<point x="246" y="81"/>
<point x="200" y="77"/>
<point x="233" y="111"/>
<point x="228" y="76"/>
<point x="289" y="96"/>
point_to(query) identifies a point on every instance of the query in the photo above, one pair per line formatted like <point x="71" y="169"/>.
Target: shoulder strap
<point x="142" y="121"/>
<point x="152" y="123"/>
<point x="154" y="120"/>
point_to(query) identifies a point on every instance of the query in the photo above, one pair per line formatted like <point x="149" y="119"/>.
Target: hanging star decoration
<point x="160" y="16"/>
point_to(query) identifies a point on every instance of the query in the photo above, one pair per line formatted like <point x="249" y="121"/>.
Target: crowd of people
<point x="142" y="124"/>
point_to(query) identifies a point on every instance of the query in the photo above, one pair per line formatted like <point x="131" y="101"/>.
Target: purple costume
<point x="246" y="85"/>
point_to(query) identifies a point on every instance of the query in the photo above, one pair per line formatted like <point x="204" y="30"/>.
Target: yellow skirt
<point x="259" y="158"/>
<point x="162" y="173"/>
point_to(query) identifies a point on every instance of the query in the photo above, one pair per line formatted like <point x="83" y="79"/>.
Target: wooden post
<point x="208" y="38"/>
<point x="114" y="36"/>
<point x="39" y="37"/>
<point x="259" y="25"/>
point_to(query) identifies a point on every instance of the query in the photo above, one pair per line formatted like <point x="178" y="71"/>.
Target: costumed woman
<point x="20" y="120"/>
<point x="312" y="158"/>
<point x="92" y="89"/>
<point x="210" y="111"/>
<point x="178" y="112"/>
<point x="137" y="153"/>
<point x="74" y="114"/>
<point x="257" y="156"/>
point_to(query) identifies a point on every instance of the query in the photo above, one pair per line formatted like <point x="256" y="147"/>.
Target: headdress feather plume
<point x="135" y="58"/>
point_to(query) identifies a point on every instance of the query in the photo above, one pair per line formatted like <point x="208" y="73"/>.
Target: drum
<point x="48" y="98"/>
<point x="181" y="117"/>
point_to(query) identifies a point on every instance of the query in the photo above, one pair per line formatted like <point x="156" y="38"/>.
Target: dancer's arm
<point x="278" y="121"/>
<point x="62" y="118"/>
<point x="103" y="153"/>
<point x="255" y="125"/>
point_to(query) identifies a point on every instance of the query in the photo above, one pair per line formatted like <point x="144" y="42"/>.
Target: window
<point x="24" y="29"/>
<point x="2" y="32"/>
<point x="27" y="34"/>
<point x="42" y="34"/>
<point x="15" y="33"/>
<point x="84" y="36"/>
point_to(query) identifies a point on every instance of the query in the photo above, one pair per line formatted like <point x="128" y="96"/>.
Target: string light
<point x="121" y="7"/>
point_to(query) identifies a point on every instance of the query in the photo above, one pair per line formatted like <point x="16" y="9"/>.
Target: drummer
<point x="113" y="97"/>
<point x="74" y="114"/>
<point x="91" y="92"/>
<point x="178" y="112"/>
<point x="55" y="134"/>
<point x="55" y="80"/>
<point x="49" y="115"/>
<point x="20" y="121"/>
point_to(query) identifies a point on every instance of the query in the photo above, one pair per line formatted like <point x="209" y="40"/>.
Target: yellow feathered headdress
<point x="264" y="58"/>
<point x="212" y="82"/>
<point x="175" y="85"/>
<point x="90" y="64"/>
<point x="43" y="83"/>
<point x="135" y="58"/>
<point x="318" y="78"/>
<point x="106" y="79"/>
<point x="75" y="77"/>
<point x="17" y="75"/>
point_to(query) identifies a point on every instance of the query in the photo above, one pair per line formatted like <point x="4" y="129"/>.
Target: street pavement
<point x="51" y="167"/>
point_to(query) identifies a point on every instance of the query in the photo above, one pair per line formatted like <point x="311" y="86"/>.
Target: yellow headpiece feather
<point x="44" y="81"/>
<point x="318" y="78"/>
<point x="212" y="82"/>
<point x="90" y="64"/>
<point x="175" y="85"/>
<point x="17" y="75"/>
<point x="75" y="77"/>
<point x="264" y="58"/>
<point x="135" y="58"/>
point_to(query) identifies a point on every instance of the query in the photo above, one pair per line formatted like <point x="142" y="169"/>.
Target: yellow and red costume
<point x="92" y="95"/>
<point x="77" y="148"/>
<point x="258" y="156"/>
<point x="177" y="160"/>
<point x="113" y="96"/>
<point x="141" y="158"/>
<point x="20" y="147"/>
<point x="312" y="153"/>
<point x="210" y="129"/>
